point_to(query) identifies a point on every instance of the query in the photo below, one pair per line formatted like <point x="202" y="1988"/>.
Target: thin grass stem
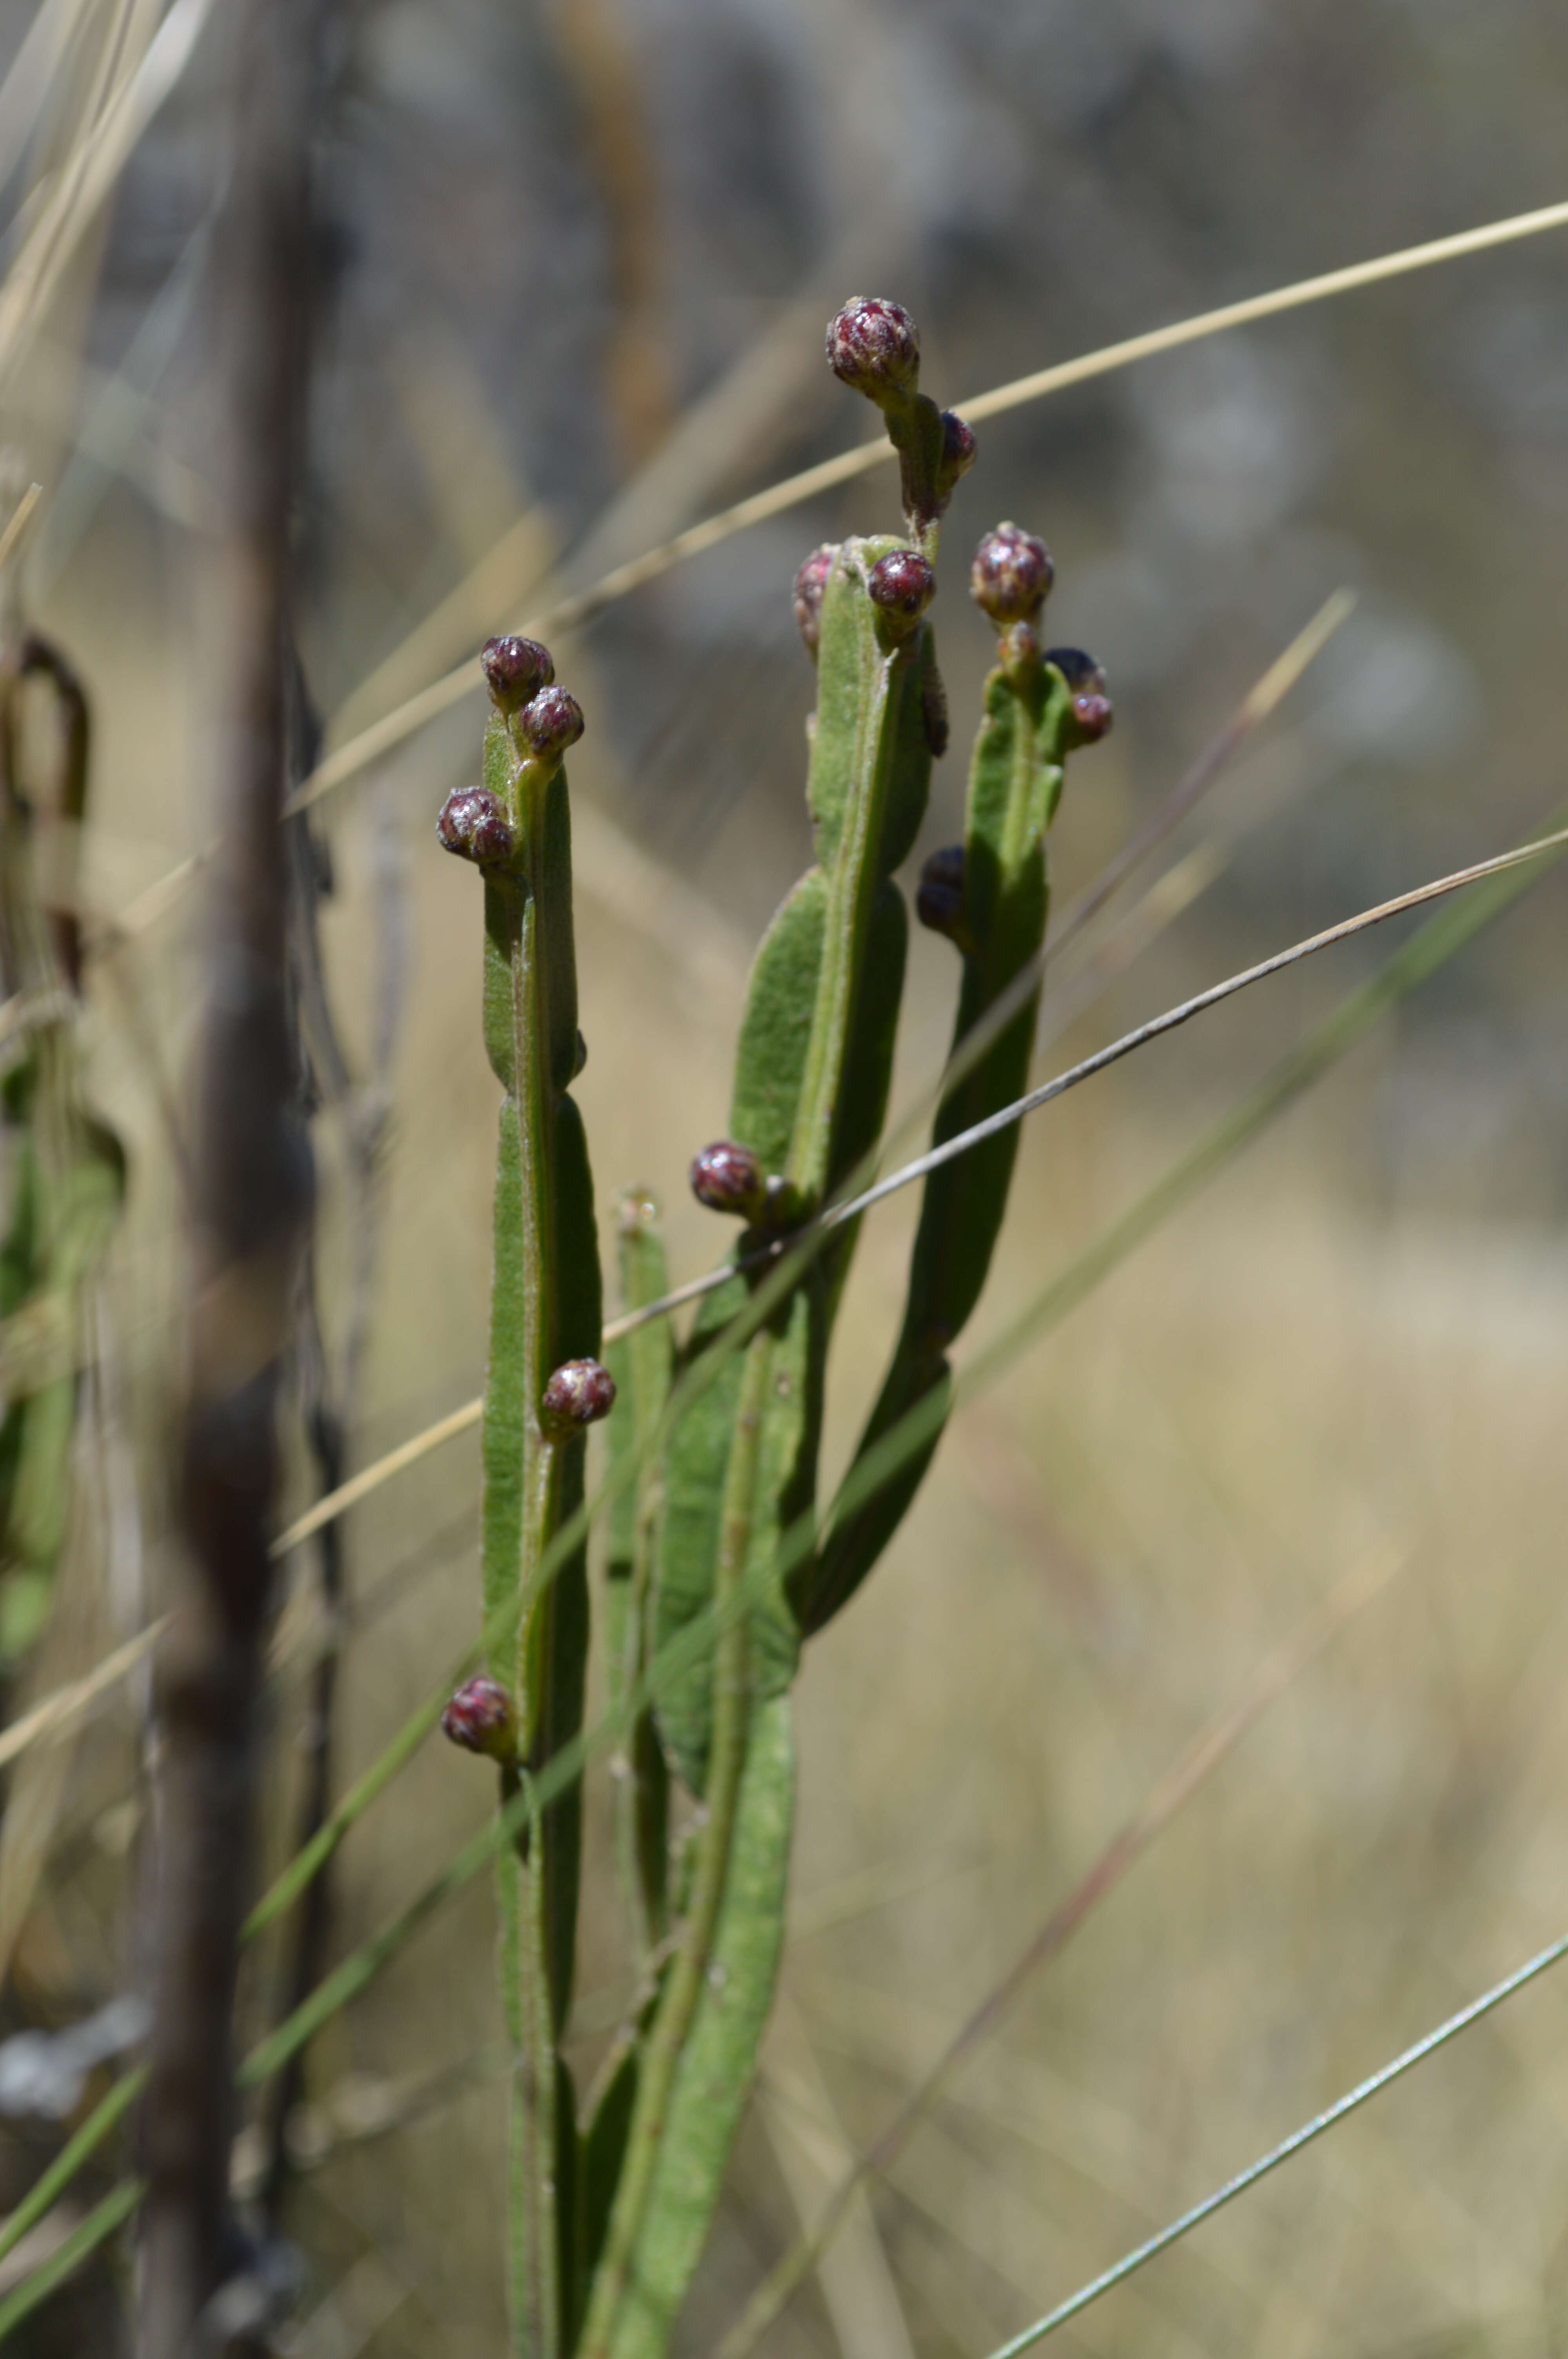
<point x="1437" y="942"/>
<point x="1353" y="2099"/>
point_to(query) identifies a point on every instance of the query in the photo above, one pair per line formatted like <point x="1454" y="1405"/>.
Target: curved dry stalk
<point x="568" y="613"/>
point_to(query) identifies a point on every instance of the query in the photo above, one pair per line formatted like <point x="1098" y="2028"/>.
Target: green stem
<point x="525" y="1463"/>
<point x="677" y="2008"/>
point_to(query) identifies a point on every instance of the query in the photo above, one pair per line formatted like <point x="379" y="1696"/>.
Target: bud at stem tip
<point x="516" y="670"/>
<point x="873" y="347"/>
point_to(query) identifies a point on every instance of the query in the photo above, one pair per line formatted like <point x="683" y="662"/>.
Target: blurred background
<point x="579" y="255"/>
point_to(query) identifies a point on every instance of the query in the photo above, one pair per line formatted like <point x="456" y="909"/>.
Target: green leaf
<point x="714" y="2079"/>
<point x="1015" y="781"/>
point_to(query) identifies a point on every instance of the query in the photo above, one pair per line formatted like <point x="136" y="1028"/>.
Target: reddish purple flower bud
<point x="939" y="899"/>
<point x="579" y="1394"/>
<point x="476" y="825"/>
<point x="728" y="1177"/>
<point x="516" y="668"/>
<point x="551" y="722"/>
<point x="480" y="1718"/>
<point x="901" y="586"/>
<point x="1093" y="711"/>
<point x="1012" y="574"/>
<point x="873" y="347"/>
<point x="810" y="587"/>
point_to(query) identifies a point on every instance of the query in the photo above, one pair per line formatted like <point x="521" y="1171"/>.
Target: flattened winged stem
<point x="991" y="895"/>
<point x="543" y="1388"/>
<point x="642" y="1365"/>
<point x="811" y="1087"/>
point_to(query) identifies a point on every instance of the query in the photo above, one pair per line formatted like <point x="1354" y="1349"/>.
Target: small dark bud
<point x="516" y="668"/>
<point x="475" y="824"/>
<point x="940" y="898"/>
<point x="579" y="1394"/>
<point x="1012" y="574"/>
<point x="810" y="587"/>
<point x="873" y="347"/>
<point x="480" y="1718"/>
<point x="728" y="1177"/>
<point x="551" y="722"/>
<point x="957" y="453"/>
<point x="902" y="585"/>
<point x="1093" y="711"/>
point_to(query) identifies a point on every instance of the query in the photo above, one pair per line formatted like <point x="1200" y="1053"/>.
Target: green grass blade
<point x="80" y="2245"/>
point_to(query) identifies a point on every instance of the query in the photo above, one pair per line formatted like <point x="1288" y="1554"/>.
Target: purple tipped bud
<point x="728" y="1177"/>
<point x="580" y="1393"/>
<point x="476" y="825"/>
<point x="1093" y="711"/>
<point x="939" y="901"/>
<point x="480" y="1718"/>
<point x="873" y="347"/>
<point x="516" y="668"/>
<point x="902" y="585"/>
<point x="810" y="588"/>
<point x="1012" y="574"/>
<point x="551" y="722"/>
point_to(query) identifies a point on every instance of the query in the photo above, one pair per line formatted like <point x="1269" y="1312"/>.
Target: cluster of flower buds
<point x="578" y="1394"/>
<point x="480" y="1718"/>
<point x="873" y="347"/>
<point x="544" y="720"/>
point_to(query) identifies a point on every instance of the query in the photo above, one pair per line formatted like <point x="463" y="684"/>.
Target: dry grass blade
<point x="1173" y="1017"/>
<point x="88" y="182"/>
<point x="56" y="1712"/>
<point x="409" y="1452"/>
<point x="858" y="2287"/>
<point x="1178" y="1786"/>
<point x="19" y="524"/>
<point x="828" y="473"/>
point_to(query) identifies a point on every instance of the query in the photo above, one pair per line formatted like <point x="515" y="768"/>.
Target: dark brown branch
<point x="250" y="1196"/>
